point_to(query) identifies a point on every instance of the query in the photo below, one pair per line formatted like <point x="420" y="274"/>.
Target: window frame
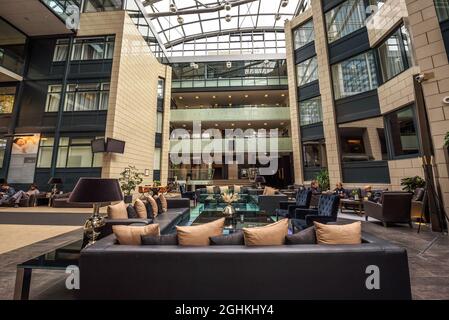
<point x="318" y="98"/>
<point x="297" y="29"/>
<point x="69" y="145"/>
<point x="6" y="94"/>
<point x="315" y="73"/>
<point x="3" y="150"/>
<point x="389" y="141"/>
<point x="107" y="41"/>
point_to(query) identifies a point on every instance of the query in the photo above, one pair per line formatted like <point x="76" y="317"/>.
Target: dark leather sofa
<point x="178" y="213"/>
<point x="394" y="207"/>
<point x="112" y="271"/>
<point x="62" y="201"/>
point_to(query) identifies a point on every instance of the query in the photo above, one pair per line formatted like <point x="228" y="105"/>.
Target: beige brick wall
<point x="133" y="94"/>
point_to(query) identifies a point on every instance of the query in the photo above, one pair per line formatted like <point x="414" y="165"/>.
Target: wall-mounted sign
<point x="23" y="159"/>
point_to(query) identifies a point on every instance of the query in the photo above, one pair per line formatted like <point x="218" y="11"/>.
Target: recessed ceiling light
<point x="283" y="95"/>
<point x="246" y="96"/>
<point x="230" y="97"/>
<point x="232" y="124"/>
<point x="265" y="124"/>
<point x="197" y="97"/>
<point x="249" y="123"/>
<point x="263" y="104"/>
<point x="184" y="125"/>
<point x="266" y="96"/>
<point x="277" y="104"/>
<point x="282" y="123"/>
<point x="186" y="106"/>
<point x="216" y="124"/>
<point x="201" y="106"/>
<point x="230" y="104"/>
<point x="180" y="98"/>
<point x="214" y="97"/>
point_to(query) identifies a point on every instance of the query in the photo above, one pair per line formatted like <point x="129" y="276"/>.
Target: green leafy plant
<point x="323" y="179"/>
<point x="411" y="183"/>
<point x="446" y="140"/>
<point x="130" y="179"/>
<point x="156" y="183"/>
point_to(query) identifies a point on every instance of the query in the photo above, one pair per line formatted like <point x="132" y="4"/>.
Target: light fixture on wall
<point x="228" y="18"/>
<point x="229" y="64"/>
<point x="446" y="100"/>
<point x="180" y="20"/>
<point x="147" y="172"/>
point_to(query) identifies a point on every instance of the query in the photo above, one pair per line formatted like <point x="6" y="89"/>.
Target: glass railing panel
<point x="59" y="7"/>
<point x="231" y="82"/>
<point x="11" y="61"/>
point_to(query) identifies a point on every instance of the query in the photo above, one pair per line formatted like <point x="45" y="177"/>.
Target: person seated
<point x="6" y="193"/>
<point x="315" y="187"/>
<point x="18" y="196"/>
<point x="340" y="191"/>
<point x="370" y="195"/>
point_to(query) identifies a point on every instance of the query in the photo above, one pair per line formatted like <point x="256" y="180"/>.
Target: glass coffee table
<point x="247" y="215"/>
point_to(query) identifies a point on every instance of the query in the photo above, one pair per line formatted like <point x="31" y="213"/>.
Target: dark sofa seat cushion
<point x="233" y="239"/>
<point x="306" y="236"/>
<point x="162" y="240"/>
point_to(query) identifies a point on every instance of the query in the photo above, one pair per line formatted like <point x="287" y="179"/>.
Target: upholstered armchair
<point x="326" y="212"/>
<point x="418" y="210"/>
<point x="394" y="207"/>
<point x="287" y="208"/>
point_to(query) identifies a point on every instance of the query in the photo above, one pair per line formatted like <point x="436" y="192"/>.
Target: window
<point x="348" y="17"/>
<point x="355" y="75"/>
<point x="87" y="97"/>
<point x="102" y="5"/>
<point x="45" y="152"/>
<point x="310" y="111"/>
<point x="157" y="159"/>
<point x="53" y="98"/>
<point x="442" y="7"/>
<point x="363" y="140"/>
<point x="314" y="154"/>
<point x="2" y="151"/>
<point x="7" y="95"/>
<point x="403" y="133"/>
<point x="159" y="122"/>
<point x="93" y="48"/>
<point x="307" y="71"/>
<point x="77" y="153"/>
<point x="395" y="54"/>
<point x="160" y="88"/>
<point x="61" y="50"/>
<point x="303" y="35"/>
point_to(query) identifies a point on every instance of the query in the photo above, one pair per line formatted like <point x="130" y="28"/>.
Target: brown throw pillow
<point x="140" y="209"/>
<point x="339" y="234"/>
<point x="268" y="191"/>
<point x="164" y="202"/>
<point x="153" y="204"/>
<point x="131" y="235"/>
<point x="199" y="235"/>
<point x="269" y="235"/>
<point x="117" y="211"/>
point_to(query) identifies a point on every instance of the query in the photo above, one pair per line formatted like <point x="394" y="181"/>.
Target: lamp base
<point x="93" y="225"/>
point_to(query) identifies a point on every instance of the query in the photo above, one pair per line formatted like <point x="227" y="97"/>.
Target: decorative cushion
<point x="199" y="235"/>
<point x="224" y="189"/>
<point x="162" y="240"/>
<point x="132" y="214"/>
<point x="164" y="202"/>
<point x="233" y="239"/>
<point x="140" y="209"/>
<point x="268" y="191"/>
<point x="237" y="189"/>
<point x="159" y="205"/>
<point x="117" y="211"/>
<point x="154" y="207"/>
<point x="270" y="235"/>
<point x="210" y="189"/>
<point x="339" y="234"/>
<point x="131" y="235"/>
<point x="306" y="236"/>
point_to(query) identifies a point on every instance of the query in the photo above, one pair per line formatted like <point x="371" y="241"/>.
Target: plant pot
<point x="128" y="199"/>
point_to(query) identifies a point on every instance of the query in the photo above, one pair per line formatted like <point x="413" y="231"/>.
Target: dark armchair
<point x="327" y="212"/>
<point x="394" y="207"/>
<point x="287" y="208"/>
<point x="191" y="195"/>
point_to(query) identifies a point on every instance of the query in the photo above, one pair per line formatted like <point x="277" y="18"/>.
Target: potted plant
<point x="323" y="179"/>
<point x="129" y="179"/>
<point x="355" y="194"/>
<point x="411" y="183"/>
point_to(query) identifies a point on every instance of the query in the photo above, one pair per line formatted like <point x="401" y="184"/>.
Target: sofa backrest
<point x="396" y="204"/>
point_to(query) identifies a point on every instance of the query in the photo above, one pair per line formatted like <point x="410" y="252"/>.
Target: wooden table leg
<point x="23" y="281"/>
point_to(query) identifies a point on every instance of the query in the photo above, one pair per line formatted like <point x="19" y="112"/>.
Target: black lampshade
<point x="54" y="180"/>
<point x="259" y="179"/>
<point x="96" y="190"/>
<point x="2" y="181"/>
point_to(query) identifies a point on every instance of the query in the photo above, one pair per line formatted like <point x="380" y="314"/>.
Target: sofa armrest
<point x="178" y="203"/>
<point x="302" y="213"/>
<point x="310" y="219"/>
<point x="286" y="204"/>
<point x="372" y="209"/>
<point x="109" y="223"/>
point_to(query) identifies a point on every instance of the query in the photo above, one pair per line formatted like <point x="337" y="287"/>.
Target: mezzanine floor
<point x="428" y="253"/>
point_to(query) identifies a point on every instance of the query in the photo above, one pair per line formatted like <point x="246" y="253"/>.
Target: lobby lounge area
<point x="259" y="151"/>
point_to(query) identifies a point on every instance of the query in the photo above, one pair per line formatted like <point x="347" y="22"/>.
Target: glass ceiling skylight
<point x="217" y="25"/>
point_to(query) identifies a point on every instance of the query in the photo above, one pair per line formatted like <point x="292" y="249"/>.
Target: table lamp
<point x="259" y="180"/>
<point x="54" y="181"/>
<point x="95" y="191"/>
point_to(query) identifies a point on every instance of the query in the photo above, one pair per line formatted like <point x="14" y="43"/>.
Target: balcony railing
<point x="59" y="7"/>
<point x="11" y="61"/>
<point x="230" y="82"/>
<point x="195" y="174"/>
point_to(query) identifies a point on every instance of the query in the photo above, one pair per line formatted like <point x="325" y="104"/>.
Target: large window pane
<point x="355" y="75"/>
<point x="45" y="152"/>
<point x="363" y="140"/>
<point x="310" y="111"/>
<point x="77" y="153"/>
<point x="7" y="95"/>
<point x="102" y="5"/>
<point x="79" y="157"/>
<point x="88" y="49"/>
<point x="314" y="154"/>
<point x="87" y="97"/>
<point x="307" y="71"/>
<point x="348" y="17"/>
<point x="2" y="151"/>
<point x="304" y="34"/>
<point x="403" y="133"/>
<point x="61" y="50"/>
<point x="160" y="122"/>
<point x="442" y="7"/>
<point x="53" y="98"/>
<point x="157" y="159"/>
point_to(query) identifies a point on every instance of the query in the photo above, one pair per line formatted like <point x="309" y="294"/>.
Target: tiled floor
<point x="428" y="260"/>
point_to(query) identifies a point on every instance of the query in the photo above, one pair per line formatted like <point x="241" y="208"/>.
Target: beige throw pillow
<point x="130" y="235"/>
<point x="224" y="189"/>
<point x="140" y="209"/>
<point x="270" y="235"/>
<point x="339" y="234"/>
<point x="237" y="189"/>
<point x="210" y="189"/>
<point x="153" y="204"/>
<point x="199" y="235"/>
<point x="117" y="211"/>
<point x="164" y="202"/>
<point x="268" y="191"/>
